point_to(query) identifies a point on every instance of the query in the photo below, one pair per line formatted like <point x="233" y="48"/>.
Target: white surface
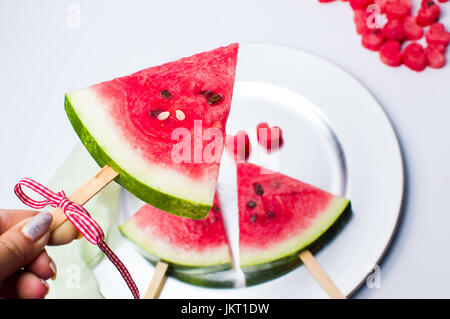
<point x="41" y="58"/>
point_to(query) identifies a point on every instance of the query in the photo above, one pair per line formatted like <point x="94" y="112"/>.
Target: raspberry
<point x="390" y="53"/>
<point x="440" y="47"/>
<point x="397" y="10"/>
<point x="360" y="19"/>
<point x="414" y="57"/>
<point x="381" y="4"/>
<point x="360" y="4"/>
<point x="393" y="30"/>
<point x="373" y="40"/>
<point x="413" y="31"/>
<point x="429" y="12"/>
<point x="405" y="3"/>
<point x="437" y="35"/>
<point x="269" y="138"/>
<point x="435" y="58"/>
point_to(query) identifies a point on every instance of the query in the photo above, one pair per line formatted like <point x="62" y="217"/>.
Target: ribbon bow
<point x="80" y="219"/>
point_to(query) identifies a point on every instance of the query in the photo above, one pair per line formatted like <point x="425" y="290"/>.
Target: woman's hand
<point x="24" y="263"/>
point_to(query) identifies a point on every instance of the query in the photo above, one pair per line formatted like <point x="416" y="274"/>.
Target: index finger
<point x="10" y="217"/>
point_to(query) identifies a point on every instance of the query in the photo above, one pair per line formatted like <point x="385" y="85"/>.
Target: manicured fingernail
<point x="37" y="226"/>
<point x="53" y="268"/>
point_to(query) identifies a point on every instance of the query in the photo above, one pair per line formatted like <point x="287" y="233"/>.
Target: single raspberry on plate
<point x="373" y="40"/>
<point x="390" y="53"/>
<point x="429" y="12"/>
<point x="394" y="30"/>
<point x="435" y="58"/>
<point x="413" y="31"/>
<point x="414" y="57"/>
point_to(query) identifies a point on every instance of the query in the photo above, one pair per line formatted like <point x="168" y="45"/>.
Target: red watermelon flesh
<point x="179" y="240"/>
<point x="132" y="124"/>
<point x="279" y="215"/>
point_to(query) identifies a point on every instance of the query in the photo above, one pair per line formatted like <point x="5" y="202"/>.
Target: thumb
<point x="23" y="242"/>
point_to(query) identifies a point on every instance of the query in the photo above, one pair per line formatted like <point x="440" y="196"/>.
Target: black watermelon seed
<point x="430" y="3"/>
<point x="270" y="214"/>
<point x="207" y="94"/>
<point x="215" y="98"/>
<point x="258" y="189"/>
<point x="155" y="113"/>
<point x="251" y="204"/>
<point x="253" y="218"/>
<point x="166" y="94"/>
<point x="216" y="208"/>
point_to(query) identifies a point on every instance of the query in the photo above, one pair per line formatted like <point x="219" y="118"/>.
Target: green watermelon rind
<point x="258" y="274"/>
<point x="183" y="264"/>
<point x="208" y="280"/>
<point x="199" y="275"/>
<point x="261" y="260"/>
<point x="177" y="206"/>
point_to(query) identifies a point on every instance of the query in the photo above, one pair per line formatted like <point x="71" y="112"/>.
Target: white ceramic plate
<point x="337" y="137"/>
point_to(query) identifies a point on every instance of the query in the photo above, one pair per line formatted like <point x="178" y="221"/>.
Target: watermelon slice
<point x="279" y="216"/>
<point x="185" y="243"/>
<point x="128" y="123"/>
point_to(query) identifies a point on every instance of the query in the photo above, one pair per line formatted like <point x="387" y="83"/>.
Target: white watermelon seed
<point x="180" y="115"/>
<point x="163" y="116"/>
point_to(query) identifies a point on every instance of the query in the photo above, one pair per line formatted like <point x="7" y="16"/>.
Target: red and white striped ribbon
<point x="79" y="217"/>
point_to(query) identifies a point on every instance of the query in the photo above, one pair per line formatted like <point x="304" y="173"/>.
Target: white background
<point x="41" y="58"/>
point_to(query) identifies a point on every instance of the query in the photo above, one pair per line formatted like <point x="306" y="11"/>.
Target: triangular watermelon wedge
<point x="193" y="246"/>
<point x="134" y="123"/>
<point x="279" y="215"/>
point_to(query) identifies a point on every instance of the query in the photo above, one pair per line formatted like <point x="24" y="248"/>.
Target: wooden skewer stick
<point x="158" y="280"/>
<point x="83" y="194"/>
<point x="319" y="274"/>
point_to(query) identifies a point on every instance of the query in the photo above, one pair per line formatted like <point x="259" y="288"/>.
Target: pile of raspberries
<point x="402" y="26"/>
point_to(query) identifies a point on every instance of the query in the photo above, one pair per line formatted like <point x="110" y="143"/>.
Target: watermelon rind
<point x="260" y="273"/>
<point x="249" y="258"/>
<point x="255" y="275"/>
<point x="208" y="260"/>
<point x="218" y="279"/>
<point x="157" y="198"/>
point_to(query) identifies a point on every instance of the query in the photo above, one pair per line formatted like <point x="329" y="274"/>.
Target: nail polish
<point x="37" y="226"/>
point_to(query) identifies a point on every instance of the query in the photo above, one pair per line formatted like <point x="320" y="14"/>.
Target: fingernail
<point x="53" y="268"/>
<point x="46" y="285"/>
<point x="37" y="226"/>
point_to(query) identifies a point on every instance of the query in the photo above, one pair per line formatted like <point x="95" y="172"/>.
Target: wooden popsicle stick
<point x="320" y="275"/>
<point x="83" y="194"/>
<point x="158" y="280"/>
